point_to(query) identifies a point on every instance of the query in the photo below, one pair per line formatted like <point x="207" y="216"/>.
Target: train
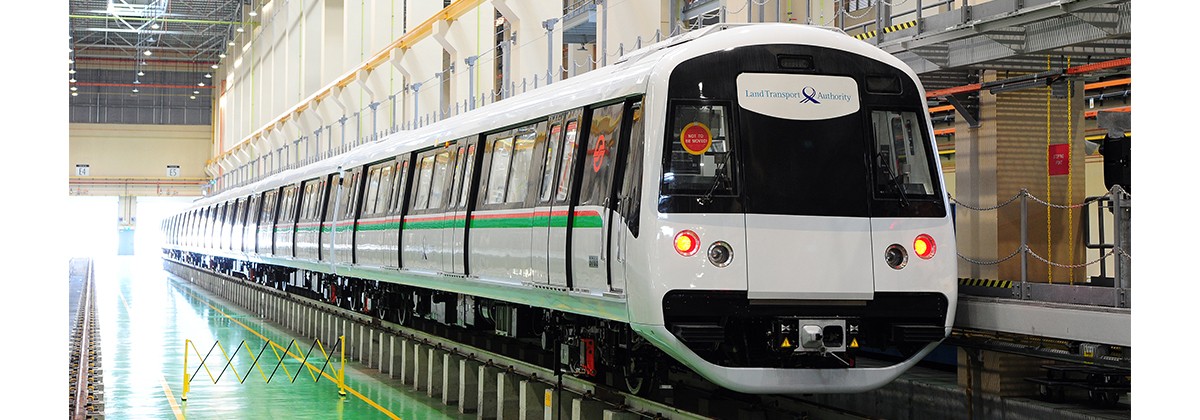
<point x="758" y="203"/>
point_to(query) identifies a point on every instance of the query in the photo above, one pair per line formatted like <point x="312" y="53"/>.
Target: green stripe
<point x="380" y="226"/>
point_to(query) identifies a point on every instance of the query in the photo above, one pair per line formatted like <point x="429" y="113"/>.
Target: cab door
<point x="625" y="226"/>
<point x="591" y="219"/>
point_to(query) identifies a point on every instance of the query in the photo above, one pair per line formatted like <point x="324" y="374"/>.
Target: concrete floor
<point x="145" y="318"/>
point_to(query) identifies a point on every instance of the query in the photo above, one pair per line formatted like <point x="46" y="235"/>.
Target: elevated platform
<point x="1085" y="323"/>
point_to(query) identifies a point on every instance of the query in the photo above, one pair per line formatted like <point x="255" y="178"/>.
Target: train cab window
<point x="699" y="158"/>
<point x="498" y="175"/>
<point x="901" y="155"/>
<point x="601" y="151"/>
<point x="421" y="189"/>
<point x="570" y="142"/>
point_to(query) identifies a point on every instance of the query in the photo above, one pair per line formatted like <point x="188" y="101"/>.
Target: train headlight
<point x="720" y="254"/>
<point x="687" y="243"/>
<point x="924" y="246"/>
<point x="896" y="256"/>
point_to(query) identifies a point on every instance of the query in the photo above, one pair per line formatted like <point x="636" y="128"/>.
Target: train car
<point x="754" y="202"/>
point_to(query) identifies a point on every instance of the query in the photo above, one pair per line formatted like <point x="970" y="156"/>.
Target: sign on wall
<point x="81" y="169"/>
<point x="172" y="170"/>
<point x="1060" y="163"/>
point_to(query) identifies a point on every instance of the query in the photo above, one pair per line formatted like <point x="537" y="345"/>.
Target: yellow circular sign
<point x="695" y="138"/>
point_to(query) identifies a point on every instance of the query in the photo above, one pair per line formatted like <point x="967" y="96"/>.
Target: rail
<point x="83" y="357"/>
<point x="1112" y="291"/>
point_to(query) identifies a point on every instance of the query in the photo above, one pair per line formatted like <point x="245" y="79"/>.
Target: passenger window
<point x="699" y="157"/>
<point x="425" y="175"/>
<point x="456" y="185"/>
<point x="518" y="179"/>
<point x="548" y="167"/>
<point x="498" y="175"/>
<point x="568" y="157"/>
<point x="372" y="189"/>
<point x="352" y="196"/>
<point x="385" y="189"/>
<point x="398" y="187"/>
<point x="437" y="187"/>
<point x="631" y="186"/>
<point x="469" y="171"/>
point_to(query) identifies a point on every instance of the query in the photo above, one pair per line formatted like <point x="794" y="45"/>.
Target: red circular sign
<point x="695" y="138"/>
<point x="598" y="154"/>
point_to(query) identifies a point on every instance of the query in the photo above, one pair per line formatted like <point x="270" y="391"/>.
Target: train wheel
<point x="639" y="370"/>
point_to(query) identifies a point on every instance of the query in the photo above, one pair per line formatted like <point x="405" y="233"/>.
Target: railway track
<point x="86" y="389"/>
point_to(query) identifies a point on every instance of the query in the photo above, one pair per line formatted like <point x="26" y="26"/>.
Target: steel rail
<point x="81" y="379"/>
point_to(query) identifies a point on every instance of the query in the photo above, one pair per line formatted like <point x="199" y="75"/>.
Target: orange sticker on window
<point x="695" y="138"/>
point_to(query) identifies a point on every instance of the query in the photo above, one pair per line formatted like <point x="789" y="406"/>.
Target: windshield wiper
<point x="892" y="178"/>
<point x="707" y="198"/>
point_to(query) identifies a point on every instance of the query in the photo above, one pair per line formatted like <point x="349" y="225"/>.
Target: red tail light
<point x="924" y="246"/>
<point x="687" y="243"/>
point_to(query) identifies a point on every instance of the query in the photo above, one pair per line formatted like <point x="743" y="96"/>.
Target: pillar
<point x="126" y="223"/>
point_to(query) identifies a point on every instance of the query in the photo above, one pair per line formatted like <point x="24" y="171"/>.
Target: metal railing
<point x="302" y="358"/>
<point x="1101" y="290"/>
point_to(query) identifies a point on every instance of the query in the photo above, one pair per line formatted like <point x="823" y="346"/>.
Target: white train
<point x="759" y="202"/>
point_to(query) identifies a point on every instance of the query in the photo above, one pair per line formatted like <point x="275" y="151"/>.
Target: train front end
<point x="802" y="221"/>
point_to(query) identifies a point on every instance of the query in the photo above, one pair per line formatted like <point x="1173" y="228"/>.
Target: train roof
<point x="628" y="75"/>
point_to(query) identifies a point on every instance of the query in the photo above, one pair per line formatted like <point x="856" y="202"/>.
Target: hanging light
<point x="72" y="80"/>
<point x="71" y="71"/>
<point x="147" y="52"/>
<point x="214" y="66"/>
<point x="135" y="90"/>
<point x="137" y="82"/>
<point x="207" y="75"/>
<point x="141" y="73"/>
<point x="222" y="55"/>
<point x="240" y="30"/>
<point x="195" y="92"/>
<point x="201" y="84"/>
<point x="193" y="96"/>
<point x="253" y="13"/>
<point x="73" y="88"/>
<point x="74" y="93"/>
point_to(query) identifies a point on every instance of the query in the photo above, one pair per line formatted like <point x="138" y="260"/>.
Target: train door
<point x="543" y="218"/>
<point x="558" y="202"/>
<point x="591" y="219"/>
<point x="629" y="178"/>
<point x="265" y="243"/>
<point x="333" y="187"/>
<point x="396" y="210"/>
<point x="454" y="238"/>
<point x="342" y="236"/>
<point x="422" y="243"/>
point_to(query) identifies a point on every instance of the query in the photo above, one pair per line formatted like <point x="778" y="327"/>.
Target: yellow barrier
<point x="190" y="347"/>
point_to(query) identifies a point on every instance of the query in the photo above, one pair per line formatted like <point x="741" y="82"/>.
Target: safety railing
<point x="303" y="357"/>
<point x="1102" y="290"/>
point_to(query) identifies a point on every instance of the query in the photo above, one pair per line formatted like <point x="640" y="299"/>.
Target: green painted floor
<point x="145" y="315"/>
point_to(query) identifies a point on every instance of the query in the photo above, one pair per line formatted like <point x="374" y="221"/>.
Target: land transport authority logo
<point x="798" y="96"/>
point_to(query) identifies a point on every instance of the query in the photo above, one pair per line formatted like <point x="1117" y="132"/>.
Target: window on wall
<point x="852" y="5"/>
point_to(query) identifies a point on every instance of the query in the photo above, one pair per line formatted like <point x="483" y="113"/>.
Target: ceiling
<point x="148" y="57"/>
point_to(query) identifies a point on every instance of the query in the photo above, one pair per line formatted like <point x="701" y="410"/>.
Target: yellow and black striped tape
<point x="887" y="30"/>
<point x="1003" y="284"/>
